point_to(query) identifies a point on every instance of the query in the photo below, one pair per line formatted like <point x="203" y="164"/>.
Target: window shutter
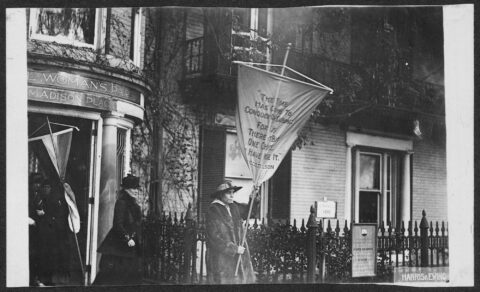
<point x="280" y="190"/>
<point x="195" y="23"/>
<point x="212" y="165"/>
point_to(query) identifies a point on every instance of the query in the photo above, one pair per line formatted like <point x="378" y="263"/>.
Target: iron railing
<point x="175" y="247"/>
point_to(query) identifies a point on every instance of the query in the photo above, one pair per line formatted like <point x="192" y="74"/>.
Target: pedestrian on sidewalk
<point x="121" y="250"/>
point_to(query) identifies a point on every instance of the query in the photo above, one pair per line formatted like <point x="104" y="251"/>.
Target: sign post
<point x="364" y="250"/>
<point x="325" y="210"/>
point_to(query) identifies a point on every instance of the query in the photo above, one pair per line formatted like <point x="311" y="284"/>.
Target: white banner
<point x="271" y="110"/>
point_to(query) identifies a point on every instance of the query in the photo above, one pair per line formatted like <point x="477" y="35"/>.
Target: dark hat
<point x="223" y="188"/>
<point x="130" y="182"/>
<point x="36" y="178"/>
<point x="47" y="182"/>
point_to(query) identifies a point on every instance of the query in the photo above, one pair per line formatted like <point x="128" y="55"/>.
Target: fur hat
<point x="130" y="182"/>
<point x="223" y="188"/>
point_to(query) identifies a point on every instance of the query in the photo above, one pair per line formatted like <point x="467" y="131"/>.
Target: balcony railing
<point x="243" y="46"/>
<point x="352" y="85"/>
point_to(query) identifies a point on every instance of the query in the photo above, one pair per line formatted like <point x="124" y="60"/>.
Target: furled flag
<point x="271" y="110"/>
<point x="58" y="148"/>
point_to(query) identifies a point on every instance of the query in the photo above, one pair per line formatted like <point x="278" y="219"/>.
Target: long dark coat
<point x="52" y="233"/>
<point x="120" y="264"/>
<point x="224" y="234"/>
<point x="35" y="203"/>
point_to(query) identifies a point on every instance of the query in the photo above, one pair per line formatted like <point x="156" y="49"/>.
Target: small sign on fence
<point x="364" y="250"/>
<point x="326" y="209"/>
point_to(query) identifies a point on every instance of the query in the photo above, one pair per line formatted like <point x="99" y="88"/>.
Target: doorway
<point x="67" y="264"/>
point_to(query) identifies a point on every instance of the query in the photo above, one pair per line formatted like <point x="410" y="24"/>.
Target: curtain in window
<point x="72" y="23"/>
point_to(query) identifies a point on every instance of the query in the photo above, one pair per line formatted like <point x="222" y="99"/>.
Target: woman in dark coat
<point x="52" y="214"/>
<point x="35" y="212"/>
<point x="121" y="250"/>
<point x="224" y="236"/>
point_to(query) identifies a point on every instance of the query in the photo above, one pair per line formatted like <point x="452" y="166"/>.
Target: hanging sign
<point x="271" y="110"/>
<point x="364" y="250"/>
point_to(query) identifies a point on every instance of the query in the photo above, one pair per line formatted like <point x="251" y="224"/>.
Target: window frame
<point x="136" y="32"/>
<point x="393" y="189"/>
<point x="99" y="31"/>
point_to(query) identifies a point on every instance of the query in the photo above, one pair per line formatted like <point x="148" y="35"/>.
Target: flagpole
<point x="254" y="191"/>
<point x="255" y="188"/>
<point x="69" y="209"/>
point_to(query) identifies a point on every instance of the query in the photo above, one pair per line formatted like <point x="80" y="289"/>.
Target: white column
<point x="357" y="187"/>
<point x="406" y="192"/>
<point x="128" y="153"/>
<point x="383" y="214"/>
<point x="108" y="173"/>
<point x="17" y="271"/>
<point x="108" y="176"/>
<point x="348" y="184"/>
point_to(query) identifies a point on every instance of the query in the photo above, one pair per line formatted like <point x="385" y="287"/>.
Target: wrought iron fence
<point x="164" y="248"/>
<point x="284" y="252"/>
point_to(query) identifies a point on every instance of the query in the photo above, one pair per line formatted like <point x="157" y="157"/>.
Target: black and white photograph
<point x="239" y="145"/>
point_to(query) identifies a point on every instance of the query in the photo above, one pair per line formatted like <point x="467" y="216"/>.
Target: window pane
<point x="262" y="21"/>
<point x="369" y="172"/>
<point x="74" y="24"/>
<point x="388" y="172"/>
<point x="368" y="207"/>
<point x="241" y="19"/>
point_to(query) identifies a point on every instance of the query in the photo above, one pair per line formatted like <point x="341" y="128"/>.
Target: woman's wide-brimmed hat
<point x="224" y="187"/>
<point x="130" y="182"/>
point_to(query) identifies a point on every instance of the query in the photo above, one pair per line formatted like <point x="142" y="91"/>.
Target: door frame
<point x="354" y="140"/>
<point x="94" y="181"/>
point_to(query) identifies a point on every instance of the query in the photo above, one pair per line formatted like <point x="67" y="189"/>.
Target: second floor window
<point x="136" y="38"/>
<point x="75" y="26"/>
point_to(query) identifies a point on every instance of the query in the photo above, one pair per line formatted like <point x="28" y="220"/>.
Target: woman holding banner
<point x="224" y="234"/>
